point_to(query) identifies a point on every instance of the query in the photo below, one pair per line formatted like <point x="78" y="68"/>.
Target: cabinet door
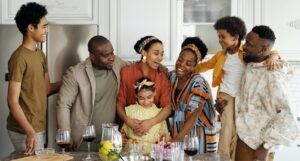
<point x="199" y="17"/>
<point x="132" y="19"/>
<point x="286" y="25"/>
<point x="59" y="11"/>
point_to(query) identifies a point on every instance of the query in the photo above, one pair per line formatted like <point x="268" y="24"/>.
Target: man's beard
<point x="250" y="58"/>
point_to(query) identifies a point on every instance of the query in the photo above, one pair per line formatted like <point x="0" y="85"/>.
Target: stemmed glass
<point x="89" y="135"/>
<point x="63" y="139"/>
<point x="191" y="145"/>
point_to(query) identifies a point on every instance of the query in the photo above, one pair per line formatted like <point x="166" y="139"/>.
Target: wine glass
<point x="191" y="145"/>
<point x="63" y="139"/>
<point x="89" y="135"/>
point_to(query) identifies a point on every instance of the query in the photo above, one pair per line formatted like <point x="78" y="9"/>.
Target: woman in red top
<point x="152" y="53"/>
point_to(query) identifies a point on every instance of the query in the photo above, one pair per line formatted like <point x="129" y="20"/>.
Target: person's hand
<point x="260" y="154"/>
<point x="134" y="124"/>
<point x="144" y="127"/>
<point x="220" y="104"/>
<point x="31" y="142"/>
<point x="273" y="62"/>
<point x="73" y="145"/>
<point x="168" y="138"/>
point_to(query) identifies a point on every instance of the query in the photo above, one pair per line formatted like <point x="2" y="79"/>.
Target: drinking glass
<point x="157" y="152"/>
<point x="63" y="139"/>
<point x="136" y="151"/>
<point x="191" y="145"/>
<point x="177" y="151"/>
<point x="89" y="135"/>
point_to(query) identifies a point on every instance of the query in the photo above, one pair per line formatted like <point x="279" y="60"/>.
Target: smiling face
<point x="145" y="98"/>
<point x="104" y="56"/>
<point x="185" y="64"/>
<point x="154" y="55"/>
<point x="39" y="32"/>
<point x="226" y="40"/>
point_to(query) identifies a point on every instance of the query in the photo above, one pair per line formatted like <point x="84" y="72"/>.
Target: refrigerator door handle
<point x="7" y="77"/>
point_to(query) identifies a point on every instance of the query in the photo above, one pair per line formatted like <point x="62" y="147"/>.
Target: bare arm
<point x="51" y="88"/>
<point x="14" y="89"/>
<point x="188" y="125"/>
<point x="162" y="115"/>
<point x="121" y="113"/>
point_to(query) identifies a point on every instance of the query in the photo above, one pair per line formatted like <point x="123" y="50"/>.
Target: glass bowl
<point x="44" y="153"/>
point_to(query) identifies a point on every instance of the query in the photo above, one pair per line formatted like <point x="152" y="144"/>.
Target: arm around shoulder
<point x="51" y="88"/>
<point x="208" y="64"/>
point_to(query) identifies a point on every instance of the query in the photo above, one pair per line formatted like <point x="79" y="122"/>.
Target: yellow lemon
<point x="106" y="145"/>
<point x="103" y="152"/>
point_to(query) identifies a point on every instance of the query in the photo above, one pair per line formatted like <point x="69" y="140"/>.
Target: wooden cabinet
<point x="59" y="11"/>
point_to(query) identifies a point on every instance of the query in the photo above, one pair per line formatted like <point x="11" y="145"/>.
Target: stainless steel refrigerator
<point x="66" y="45"/>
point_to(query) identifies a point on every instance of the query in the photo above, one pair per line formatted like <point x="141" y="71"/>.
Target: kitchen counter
<point x="78" y="156"/>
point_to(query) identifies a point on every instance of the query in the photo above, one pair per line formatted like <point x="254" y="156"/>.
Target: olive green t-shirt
<point x="29" y="67"/>
<point x="105" y="103"/>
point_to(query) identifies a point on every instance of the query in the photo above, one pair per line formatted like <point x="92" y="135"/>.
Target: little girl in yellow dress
<point x="144" y="109"/>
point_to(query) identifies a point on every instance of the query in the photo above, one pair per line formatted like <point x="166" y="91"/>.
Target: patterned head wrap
<point x="195" y="49"/>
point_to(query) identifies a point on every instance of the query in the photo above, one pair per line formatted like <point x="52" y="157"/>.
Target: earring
<point x="144" y="59"/>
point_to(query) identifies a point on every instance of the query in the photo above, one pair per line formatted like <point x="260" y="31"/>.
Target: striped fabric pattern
<point x="195" y="94"/>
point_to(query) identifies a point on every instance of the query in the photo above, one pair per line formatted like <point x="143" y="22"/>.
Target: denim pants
<point x="19" y="140"/>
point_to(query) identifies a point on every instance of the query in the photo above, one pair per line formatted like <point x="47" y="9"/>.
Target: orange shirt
<point x="130" y="74"/>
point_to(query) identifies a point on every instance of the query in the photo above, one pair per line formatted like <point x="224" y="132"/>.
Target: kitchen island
<point x="78" y="156"/>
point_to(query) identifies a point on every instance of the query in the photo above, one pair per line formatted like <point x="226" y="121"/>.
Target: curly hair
<point x="233" y="25"/>
<point x="264" y="32"/>
<point x="30" y="13"/>
<point x="199" y="44"/>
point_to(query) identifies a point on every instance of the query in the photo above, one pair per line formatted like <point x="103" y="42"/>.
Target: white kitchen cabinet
<point x="284" y="18"/>
<point x="199" y="16"/>
<point x="132" y="19"/>
<point x="59" y="11"/>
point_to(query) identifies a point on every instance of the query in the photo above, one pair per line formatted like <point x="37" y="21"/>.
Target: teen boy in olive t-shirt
<point x="29" y="67"/>
<point x="29" y="83"/>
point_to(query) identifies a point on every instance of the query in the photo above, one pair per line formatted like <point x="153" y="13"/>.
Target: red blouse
<point x="130" y="74"/>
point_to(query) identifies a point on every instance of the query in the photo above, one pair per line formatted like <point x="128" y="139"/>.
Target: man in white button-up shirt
<point x="264" y="115"/>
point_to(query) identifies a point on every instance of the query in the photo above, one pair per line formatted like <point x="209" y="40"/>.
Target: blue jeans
<point x="19" y="140"/>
